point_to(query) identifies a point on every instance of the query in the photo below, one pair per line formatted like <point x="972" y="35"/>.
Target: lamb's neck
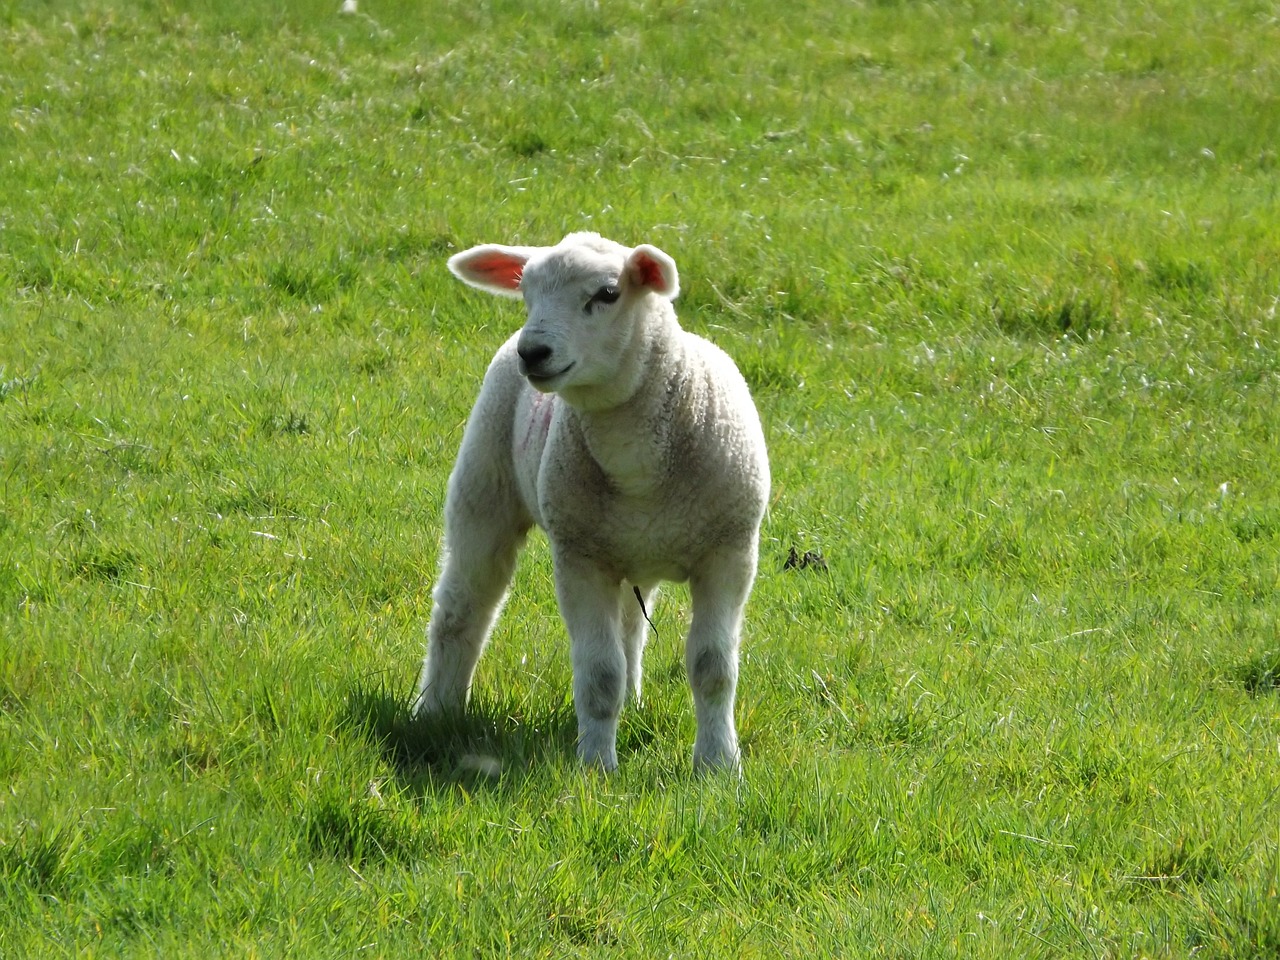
<point x="631" y="441"/>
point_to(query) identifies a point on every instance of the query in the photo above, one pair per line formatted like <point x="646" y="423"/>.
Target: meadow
<point x="1003" y="277"/>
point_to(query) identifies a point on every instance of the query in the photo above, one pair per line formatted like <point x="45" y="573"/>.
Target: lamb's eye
<point x="605" y="295"/>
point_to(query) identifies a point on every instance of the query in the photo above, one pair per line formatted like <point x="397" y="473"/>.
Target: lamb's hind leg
<point x="719" y="591"/>
<point x="483" y="533"/>
<point x="637" y="607"/>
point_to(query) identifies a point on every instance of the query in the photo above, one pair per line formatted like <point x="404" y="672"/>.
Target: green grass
<point x="1004" y="278"/>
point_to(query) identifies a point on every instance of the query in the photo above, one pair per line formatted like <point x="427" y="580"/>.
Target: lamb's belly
<point x="649" y="565"/>
<point x="653" y="569"/>
<point x="633" y="546"/>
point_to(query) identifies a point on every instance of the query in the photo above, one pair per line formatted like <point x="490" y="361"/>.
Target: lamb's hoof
<point x="427" y="705"/>
<point x="601" y="761"/>
<point x="717" y="762"/>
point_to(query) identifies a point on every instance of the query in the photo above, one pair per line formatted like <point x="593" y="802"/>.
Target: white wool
<point x="636" y="447"/>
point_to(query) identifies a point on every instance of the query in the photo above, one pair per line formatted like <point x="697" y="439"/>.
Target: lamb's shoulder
<point x="486" y="442"/>
<point x="504" y="439"/>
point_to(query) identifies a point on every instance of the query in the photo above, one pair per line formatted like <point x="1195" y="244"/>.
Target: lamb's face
<point x="581" y="317"/>
<point x="586" y="299"/>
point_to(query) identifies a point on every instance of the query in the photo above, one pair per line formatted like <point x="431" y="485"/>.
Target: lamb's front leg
<point x="719" y="590"/>
<point x="589" y="604"/>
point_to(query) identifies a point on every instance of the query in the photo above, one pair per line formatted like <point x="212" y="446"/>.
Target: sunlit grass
<point x="1004" y="281"/>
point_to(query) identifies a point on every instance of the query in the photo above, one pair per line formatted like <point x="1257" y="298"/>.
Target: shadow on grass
<point x="490" y="745"/>
<point x="1260" y="674"/>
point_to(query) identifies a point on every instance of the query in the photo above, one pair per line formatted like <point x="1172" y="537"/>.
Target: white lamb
<point x="635" y="445"/>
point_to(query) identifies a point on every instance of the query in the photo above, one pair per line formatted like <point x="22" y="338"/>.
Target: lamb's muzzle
<point x="532" y="356"/>
<point x="537" y="362"/>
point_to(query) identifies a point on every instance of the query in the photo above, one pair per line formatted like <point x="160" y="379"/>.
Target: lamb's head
<point x="590" y="302"/>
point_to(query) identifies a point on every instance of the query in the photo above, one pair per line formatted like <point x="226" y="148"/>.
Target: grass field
<point x="1003" y="277"/>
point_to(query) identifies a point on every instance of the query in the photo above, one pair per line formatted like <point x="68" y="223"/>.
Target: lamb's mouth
<point x="542" y="381"/>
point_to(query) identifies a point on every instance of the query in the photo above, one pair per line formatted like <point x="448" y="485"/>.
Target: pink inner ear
<point x="648" y="272"/>
<point x="498" y="269"/>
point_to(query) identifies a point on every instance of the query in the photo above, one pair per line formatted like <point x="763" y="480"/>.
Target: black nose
<point x="534" y="356"/>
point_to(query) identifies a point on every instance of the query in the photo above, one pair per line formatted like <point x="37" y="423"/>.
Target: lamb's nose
<point x="533" y="355"/>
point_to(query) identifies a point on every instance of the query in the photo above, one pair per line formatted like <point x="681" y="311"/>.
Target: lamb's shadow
<point x="491" y="745"/>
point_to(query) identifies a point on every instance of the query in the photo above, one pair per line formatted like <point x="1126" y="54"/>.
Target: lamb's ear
<point x="492" y="267"/>
<point x="649" y="267"/>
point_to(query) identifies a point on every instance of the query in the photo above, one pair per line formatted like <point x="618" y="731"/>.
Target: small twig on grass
<point x="829" y="697"/>
<point x="729" y="304"/>
<point x="1069" y="636"/>
<point x="1047" y="843"/>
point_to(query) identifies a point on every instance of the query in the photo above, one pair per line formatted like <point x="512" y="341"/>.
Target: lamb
<point x="636" y="447"/>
